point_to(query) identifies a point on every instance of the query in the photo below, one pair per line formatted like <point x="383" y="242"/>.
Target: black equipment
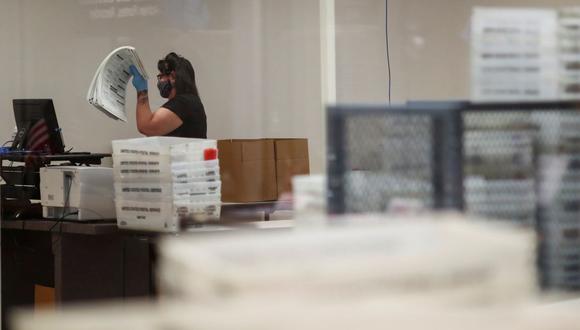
<point x="38" y="129"/>
<point x="38" y="143"/>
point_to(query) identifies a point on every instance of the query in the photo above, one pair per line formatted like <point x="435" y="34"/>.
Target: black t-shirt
<point x="189" y="109"/>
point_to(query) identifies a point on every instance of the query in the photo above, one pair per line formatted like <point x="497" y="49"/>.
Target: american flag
<point x="38" y="137"/>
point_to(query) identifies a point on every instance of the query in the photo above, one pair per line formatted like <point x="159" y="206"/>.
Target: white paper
<point x="107" y="91"/>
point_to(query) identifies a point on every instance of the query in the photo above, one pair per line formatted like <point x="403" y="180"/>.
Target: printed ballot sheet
<point x="514" y="54"/>
<point x="108" y="88"/>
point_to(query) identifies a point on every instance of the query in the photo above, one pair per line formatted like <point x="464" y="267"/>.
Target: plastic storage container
<point x="162" y="216"/>
<point x="166" y="191"/>
<point x="161" y="180"/>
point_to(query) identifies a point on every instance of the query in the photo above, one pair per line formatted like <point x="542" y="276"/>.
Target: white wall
<point x="429" y="46"/>
<point x="258" y="62"/>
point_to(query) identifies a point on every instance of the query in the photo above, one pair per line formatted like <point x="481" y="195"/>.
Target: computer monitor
<point x="38" y="129"/>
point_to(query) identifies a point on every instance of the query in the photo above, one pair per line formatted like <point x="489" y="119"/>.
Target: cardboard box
<point x="260" y="170"/>
<point x="247" y="170"/>
<point x="291" y="159"/>
<point x="44" y="297"/>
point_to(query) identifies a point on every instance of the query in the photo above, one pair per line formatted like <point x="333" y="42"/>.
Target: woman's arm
<point x="149" y="123"/>
<point x="156" y="123"/>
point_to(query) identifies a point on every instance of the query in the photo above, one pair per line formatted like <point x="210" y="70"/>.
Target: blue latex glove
<point x="138" y="81"/>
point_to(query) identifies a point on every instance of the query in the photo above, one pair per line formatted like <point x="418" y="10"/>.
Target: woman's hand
<point x="138" y="81"/>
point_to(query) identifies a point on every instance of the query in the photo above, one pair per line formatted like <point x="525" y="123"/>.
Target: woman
<point x="183" y="114"/>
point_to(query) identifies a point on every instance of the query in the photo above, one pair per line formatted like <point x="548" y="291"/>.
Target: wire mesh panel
<point x="522" y="166"/>
<point x="558" y="173"/>
<point x="381" y="158"/>
<point x="514" y="162"/>
<point x="393" y="161"/>
<point x="499" y="171"/>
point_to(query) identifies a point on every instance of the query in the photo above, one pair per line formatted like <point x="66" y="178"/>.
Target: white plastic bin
<point x="167" y="191"/>
<point x="163" y="145"/>
<point x="162" y="216"/>
<point x="127" y="169"/>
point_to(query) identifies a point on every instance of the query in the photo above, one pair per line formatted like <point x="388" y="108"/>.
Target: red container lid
<point x="210" y="154"/>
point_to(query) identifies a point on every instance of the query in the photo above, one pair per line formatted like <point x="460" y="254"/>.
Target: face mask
<point x="164" y="88"/>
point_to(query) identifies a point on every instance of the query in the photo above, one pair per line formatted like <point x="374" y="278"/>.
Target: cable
<point x="60" y="220"/>
<point x="65" y="214"/>
<point x="387" y="44"/>
<point x="66" y="205"/>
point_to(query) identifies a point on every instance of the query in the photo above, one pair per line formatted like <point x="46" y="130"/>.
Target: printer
<point x="80" y="193"/>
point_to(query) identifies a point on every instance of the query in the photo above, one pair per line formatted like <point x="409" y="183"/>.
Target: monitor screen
<point x="38" y="129"/>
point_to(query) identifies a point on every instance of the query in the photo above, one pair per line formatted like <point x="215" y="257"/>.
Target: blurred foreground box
<point x="452" y="257"/>
<point x="265" y="315"/>
<point x="422" y="272"/>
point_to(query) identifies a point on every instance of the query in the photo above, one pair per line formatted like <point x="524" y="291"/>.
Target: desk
<point x="75" y="158"/>
<point x="94" y="261"/>
<point x="82" y="261"/>
<point x="238" y="211"/>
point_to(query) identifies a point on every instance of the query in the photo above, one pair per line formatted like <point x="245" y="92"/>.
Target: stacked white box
<point x="514" y="54"/>
<point x="364" y="257"/>
<point x="569" y="53"/>
<point x="162" y="180"/>
<point x="525" y="54"/>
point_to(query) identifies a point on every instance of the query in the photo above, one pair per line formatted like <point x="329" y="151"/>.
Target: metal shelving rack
<point x="515" y="162"/>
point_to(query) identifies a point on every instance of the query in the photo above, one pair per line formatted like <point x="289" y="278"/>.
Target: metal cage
<point x="516" y="162"/>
